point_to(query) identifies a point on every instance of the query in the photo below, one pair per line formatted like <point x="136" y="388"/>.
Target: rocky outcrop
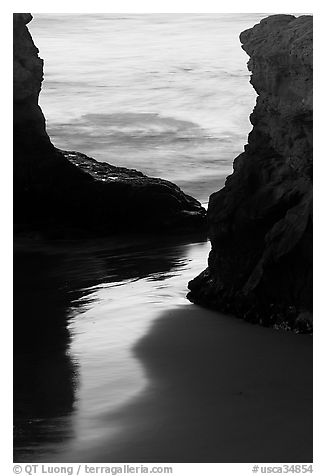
<point x="29" y="123"/>
<point x="260" y="223"/>
<point x="59" y="191"/>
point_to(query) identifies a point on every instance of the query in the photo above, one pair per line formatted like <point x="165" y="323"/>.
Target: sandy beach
<point x="147" y="376"/>
<point x="221" y="390"/>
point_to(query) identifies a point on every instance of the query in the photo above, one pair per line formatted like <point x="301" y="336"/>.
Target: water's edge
<point x="138" y="366"/>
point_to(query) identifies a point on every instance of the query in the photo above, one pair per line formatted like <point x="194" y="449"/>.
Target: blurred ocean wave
<point x="167" y="94"/>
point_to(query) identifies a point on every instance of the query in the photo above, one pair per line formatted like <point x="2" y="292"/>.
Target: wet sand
<point x="221" y="390"/>
<point x="142" y="375"/>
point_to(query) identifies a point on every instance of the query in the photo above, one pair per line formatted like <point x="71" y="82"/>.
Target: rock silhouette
<point x="59" y="191"/>
<point x="260" y="223"/>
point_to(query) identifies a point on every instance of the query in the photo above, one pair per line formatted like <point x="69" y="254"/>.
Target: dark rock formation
<point x="57" y="191"/>
<point x="260" y="223"/>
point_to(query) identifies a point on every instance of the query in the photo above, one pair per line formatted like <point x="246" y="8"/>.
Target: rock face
<point x="57" y="190"/>
<point x="260" y="223"/>
<point x="29" y="123"/>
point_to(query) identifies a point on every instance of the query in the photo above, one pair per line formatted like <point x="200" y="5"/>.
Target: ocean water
<point x="167" y="94"/>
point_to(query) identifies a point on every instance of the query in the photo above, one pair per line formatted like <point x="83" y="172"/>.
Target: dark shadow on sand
<point x="44" y="375"/>
<point x="220" y="390"/>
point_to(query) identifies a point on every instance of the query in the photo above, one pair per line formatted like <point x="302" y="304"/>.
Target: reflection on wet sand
<point x="219" y="390"/>
<point x="160" y="379"/>
<point x="65" y="379"/>
<point x="44" y="375"/>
